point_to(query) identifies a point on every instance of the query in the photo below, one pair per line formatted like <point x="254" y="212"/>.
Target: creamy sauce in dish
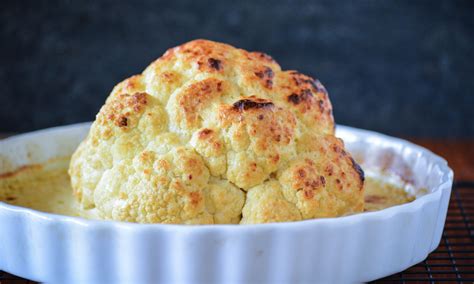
<point x="47" y="188"/>
<point x="380" y="194"/>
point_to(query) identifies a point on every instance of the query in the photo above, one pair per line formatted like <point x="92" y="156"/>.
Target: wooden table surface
<point x="458" y="153"/>
<point x="460" y="157"/>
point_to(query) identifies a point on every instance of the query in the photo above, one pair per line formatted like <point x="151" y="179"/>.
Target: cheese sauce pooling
<point x="47" y="188"/>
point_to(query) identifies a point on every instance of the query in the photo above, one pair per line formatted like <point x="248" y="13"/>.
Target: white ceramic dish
<point x="358" y="248"/>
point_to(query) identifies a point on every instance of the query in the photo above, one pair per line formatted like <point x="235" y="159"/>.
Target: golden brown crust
<point x="260" y="137"/>
<point x="120" y="109"/>
<point x="309" y="99"/>
<point x="201" y="122"/>
<point x="193" y="100"/>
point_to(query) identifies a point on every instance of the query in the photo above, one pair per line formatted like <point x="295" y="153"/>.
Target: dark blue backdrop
<point x="400" y="67"/>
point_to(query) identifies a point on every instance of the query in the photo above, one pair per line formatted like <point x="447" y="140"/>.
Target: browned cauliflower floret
<point x="209" y="133"/>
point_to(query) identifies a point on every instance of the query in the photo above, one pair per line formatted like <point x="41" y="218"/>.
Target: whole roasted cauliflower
<point x="212" y="134"/>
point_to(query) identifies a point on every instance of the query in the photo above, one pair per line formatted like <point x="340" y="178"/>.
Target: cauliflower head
<point x="212" y="134"/>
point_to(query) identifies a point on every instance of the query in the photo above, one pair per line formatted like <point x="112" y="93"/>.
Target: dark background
<point x="401" y="67"/>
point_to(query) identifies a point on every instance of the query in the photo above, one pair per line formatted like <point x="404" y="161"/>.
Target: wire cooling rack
<point x="452" y="262"/>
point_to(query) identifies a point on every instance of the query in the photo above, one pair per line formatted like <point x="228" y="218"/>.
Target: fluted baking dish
<point x="358" y="248"/>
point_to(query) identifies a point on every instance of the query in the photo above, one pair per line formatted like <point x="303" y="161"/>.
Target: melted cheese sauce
<point x="47" y="188"/>
<point x="379" y="195"/>
<point x="44" y="187"/>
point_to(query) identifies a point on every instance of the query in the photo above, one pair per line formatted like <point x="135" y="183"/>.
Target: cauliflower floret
<point x="225" y="201"/>
<point x="212" y="134"/>
<point x="266" y="204"/>
<point x="153" y="188"/>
